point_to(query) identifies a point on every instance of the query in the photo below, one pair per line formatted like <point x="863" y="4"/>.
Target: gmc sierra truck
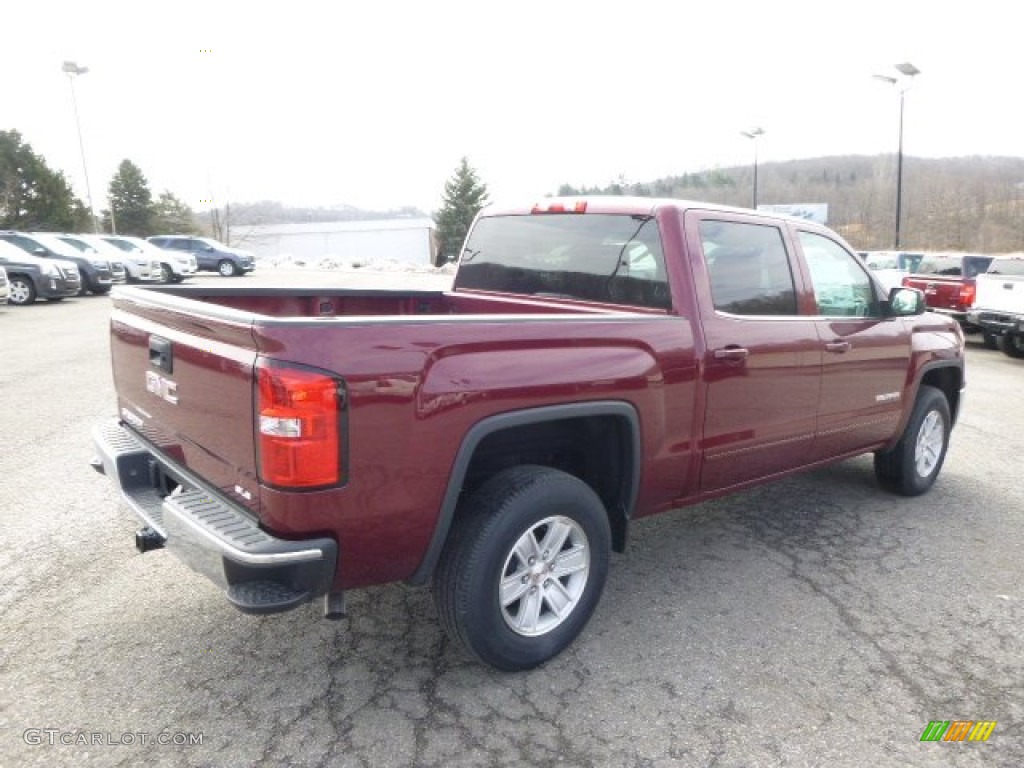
<point x="596" y="361"/>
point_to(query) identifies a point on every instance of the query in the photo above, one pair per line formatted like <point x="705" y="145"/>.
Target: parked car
<point x="597" y="360"/>
<point x="174" y="265"/>
<point x="210" y="255"/>
<point x="948" y="282"/>
<point x="96" y="273"/>
<point x="890" y="267"/>
<point x="136" y="269"/>
<point x="30" y="277"/>
<point x="5" y="289"/>
<point x="999" y="305"/>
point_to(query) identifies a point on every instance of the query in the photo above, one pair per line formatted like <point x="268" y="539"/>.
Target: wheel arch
<point x="612" y="429"/>
<point x="947" y="377"/>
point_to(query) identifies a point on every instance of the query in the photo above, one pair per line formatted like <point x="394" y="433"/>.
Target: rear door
<point x="762" y="364"/>
<point x="866" y="356"/>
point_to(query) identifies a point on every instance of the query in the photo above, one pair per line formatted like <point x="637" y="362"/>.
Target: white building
<point x="410" y="241"/>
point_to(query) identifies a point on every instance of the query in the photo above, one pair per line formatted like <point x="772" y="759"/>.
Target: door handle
<point x="839" y="347"/>
<point x="731" y="353"/>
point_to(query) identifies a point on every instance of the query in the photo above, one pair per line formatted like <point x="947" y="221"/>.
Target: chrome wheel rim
<point x="544" y="576"/>
<point x="930" y="439"/>
<point x="226" y="269"/>
<point x="19" y="292"/>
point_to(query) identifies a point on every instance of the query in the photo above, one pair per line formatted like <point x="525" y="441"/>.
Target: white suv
<point x="175" y="266"/>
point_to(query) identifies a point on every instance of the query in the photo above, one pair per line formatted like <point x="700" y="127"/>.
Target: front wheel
<point x="227" y="268"/>
<point x="989" y="340"/>
<point x="524" y="567"/>
<point x="23" y="291"/>
<point x="1012" y="345"/>
<point x="911" y="467"/>
<point x="166" y="274"/>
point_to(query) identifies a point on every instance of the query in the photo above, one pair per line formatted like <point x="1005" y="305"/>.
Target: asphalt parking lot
<point x="814" y="622"/>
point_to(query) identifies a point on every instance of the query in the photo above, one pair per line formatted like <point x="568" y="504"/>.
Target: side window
<point x="841" y="287"/>
<point x="748" y="268"/>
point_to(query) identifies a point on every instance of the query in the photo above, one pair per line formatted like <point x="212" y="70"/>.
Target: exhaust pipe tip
<point x="147" y="539"/>
<point x="334" y="606"/>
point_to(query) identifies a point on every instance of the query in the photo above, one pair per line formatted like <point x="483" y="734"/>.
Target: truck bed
<point x="280" y="303"/>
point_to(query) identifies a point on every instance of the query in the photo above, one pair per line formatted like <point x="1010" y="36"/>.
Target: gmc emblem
<point x="163" y="388"/>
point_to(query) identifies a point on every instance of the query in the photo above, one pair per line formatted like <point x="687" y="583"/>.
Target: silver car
<point x="174" y="266"/>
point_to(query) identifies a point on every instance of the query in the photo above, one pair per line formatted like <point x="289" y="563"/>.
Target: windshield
<point x="59" y="245"/>
<point x="608" y="258"/>
<point x="123" y="245"/>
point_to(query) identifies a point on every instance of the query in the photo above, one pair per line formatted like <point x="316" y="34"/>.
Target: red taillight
<point x="299" y="427"/>
<point x="968" y="291"/>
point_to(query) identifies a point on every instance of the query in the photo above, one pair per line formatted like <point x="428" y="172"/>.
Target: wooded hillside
<point x="962" y="204"/>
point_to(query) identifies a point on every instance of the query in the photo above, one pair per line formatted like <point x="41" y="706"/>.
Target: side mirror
<point x="208" y="248"/>
<point x="40" y="251"/>
<point x="905" y="302"/>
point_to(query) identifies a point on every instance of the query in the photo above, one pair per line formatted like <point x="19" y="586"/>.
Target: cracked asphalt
<point x="818" y="621"/>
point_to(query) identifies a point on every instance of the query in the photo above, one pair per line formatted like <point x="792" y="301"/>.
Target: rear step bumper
<point x="259" y="573"/>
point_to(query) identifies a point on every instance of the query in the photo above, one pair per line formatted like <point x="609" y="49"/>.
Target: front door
<point x="866" y="356"/>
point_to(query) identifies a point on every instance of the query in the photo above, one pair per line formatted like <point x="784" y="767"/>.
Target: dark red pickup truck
<point x="597" y="361"/>
<point x="949" y="283"/>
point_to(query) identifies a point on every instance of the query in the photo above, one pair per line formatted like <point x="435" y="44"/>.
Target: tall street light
<point x="71" y="69"/>
<point x="908" y="71"/>
<point x="753" y="134"/>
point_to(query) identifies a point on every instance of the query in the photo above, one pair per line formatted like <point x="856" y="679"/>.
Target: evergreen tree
<point x="172" y="216"/>
<point x="131" y="202"/>
<point x="33" y="197"/>
<point x="464" y="196"/>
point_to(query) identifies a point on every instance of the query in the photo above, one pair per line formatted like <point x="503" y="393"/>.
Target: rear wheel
<point x="524" y="567"/>
<point x="911" y="467"/>
<point x="1012" y="344"/>
<point x="23" y="292"/>
<point x="227" y="268"/>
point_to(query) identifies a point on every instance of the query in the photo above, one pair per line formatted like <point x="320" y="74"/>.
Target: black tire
<point x="23" y="291"/>
<point x="515" y="506"/>
<point x="989" y="340"/>
<point x="167" y="274"/>
<point x="83" y="289"/>
<point x="911" y="467"/>
<point x="102" y="290"/>
<point x="227" y="268"/>
<point x="1012" y="345"/>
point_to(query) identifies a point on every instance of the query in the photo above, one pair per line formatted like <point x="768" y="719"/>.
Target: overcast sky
<point x="373" y="103"/>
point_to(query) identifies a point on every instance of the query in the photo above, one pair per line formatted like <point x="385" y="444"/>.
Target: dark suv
<point x="210" y="255"/>
<point x="30" y="277"/>
<point x="95" y="270"/>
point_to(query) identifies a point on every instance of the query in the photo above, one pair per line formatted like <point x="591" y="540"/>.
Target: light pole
<point x="71" y="69"/>
<point x="753" y="134"/>
<point x="908" y="71"/>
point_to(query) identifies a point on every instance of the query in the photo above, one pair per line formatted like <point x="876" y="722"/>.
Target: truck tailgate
<point x="939" y="292"/>
<point x="1000" y="293"/>
<point x="185" y="382"/>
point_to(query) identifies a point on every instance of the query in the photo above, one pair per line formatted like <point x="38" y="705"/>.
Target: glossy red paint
<point x="722" y="401"/>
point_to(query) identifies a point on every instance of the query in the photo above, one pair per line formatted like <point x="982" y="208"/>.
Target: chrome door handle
<point x="838" y="346"/>
<point x="731" y="353"/>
